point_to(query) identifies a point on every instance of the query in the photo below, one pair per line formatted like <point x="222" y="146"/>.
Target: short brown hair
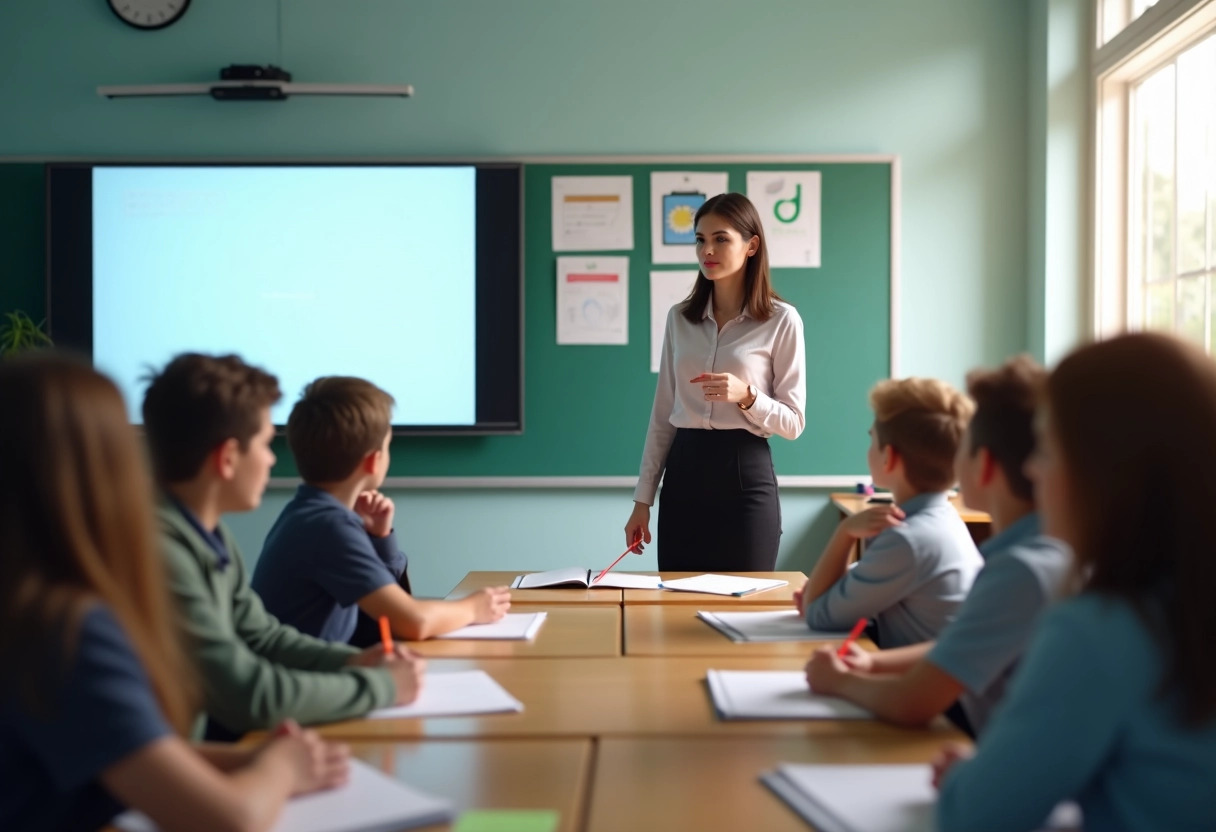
<point x="199" y="401"/>
<point x="1005" y="402"/>
<point x="336" y="423"/>
<point x="924" y="420"/>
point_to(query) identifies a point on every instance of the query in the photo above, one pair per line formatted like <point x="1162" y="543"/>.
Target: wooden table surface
<point x="492" y="774"/>
<point x="675" y="630"/>
<point x="849" y="504"/>
<point x="780" y="596"/>
<point x="609" y="697"/>
<point x="713" y="784"/>
<point x="479" y="580"/>
<point x="569" y="631"/>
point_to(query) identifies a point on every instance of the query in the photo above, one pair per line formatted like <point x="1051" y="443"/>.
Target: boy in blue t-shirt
<point x="915" y="573"/>
<point x="332" y="552"/>
<point x="976" y="655"/>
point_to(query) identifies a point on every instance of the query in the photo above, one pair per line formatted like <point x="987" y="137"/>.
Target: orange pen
<point x="857" y="628"/>
<point x="386" y="635"/>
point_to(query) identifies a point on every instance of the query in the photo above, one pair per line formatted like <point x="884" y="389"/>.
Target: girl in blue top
<point x="94" y="693"/>
<point x="1115" y="705"/>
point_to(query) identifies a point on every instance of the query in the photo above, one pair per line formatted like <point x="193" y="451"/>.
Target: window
<point x="1116" y="15"/>
<point x="1155" y="206"/>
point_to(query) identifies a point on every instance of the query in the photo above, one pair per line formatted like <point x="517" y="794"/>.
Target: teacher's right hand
<point x="638" y="527"/>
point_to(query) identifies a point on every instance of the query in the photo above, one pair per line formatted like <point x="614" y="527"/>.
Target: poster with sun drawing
<point x="674" y="200"/>
<point x="593" y="300"/>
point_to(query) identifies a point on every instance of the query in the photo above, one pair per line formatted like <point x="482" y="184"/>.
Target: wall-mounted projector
<point x="241" y="82"/>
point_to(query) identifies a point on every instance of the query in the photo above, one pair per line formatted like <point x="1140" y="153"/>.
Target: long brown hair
<point x="1136" y="422"/>
<point x="758" y="295"/>
<point x="76" y="527"/>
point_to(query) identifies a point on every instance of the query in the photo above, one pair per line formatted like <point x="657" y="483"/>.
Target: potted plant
<point x="19" y="333"/>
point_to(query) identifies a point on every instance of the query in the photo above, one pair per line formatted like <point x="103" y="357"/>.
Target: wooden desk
<point x="479" y="580"/>
<point x="713" y="784"/>
<point x="978" y="522"/>
<point x="675" y="630"/>
<point x="609" y="697"/>
<point x="569" y="631"/>
<point x="497" y="774"/>
<point x="781" y="596"/>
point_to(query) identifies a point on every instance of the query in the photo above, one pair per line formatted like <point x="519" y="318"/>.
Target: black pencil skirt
<point x="719" y="510"/>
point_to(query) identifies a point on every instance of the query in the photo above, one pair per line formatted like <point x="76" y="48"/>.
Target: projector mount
<point x="249" y="82"/>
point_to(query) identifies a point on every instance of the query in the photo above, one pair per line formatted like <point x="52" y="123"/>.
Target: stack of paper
<point x="463" y="693"/>
<point x="872" y="798"/>
<point x="521" y="626"/>
<point x="774" y="694"/>
<point x="776" y="625"/>
<point x="369" y="802"/>
<point x="722" y="585"/>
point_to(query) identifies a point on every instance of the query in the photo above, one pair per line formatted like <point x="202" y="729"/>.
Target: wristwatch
<point x="754" y="393"/>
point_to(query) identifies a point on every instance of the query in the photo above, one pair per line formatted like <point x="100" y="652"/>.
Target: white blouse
<point x="768" y="354"/>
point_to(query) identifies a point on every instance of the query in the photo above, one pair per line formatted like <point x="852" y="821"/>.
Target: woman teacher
<point x="732" y="374"/>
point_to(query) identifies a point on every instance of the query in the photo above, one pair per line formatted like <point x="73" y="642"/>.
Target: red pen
<point x="636" y="543"/>
<point x="857" y="628"/>
<point x="386" y="635"/>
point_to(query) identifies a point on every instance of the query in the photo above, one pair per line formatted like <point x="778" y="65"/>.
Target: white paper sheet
<point x="774" y="694"/>
<point x="625" y="580"/>
<point x="514" y="626"/>
<point x="462" y="693"/>
<point x="593" y="300"/>
<point x="675" y="197"/>
<point x="788" y="202"/>
<point x="592" y="213"/>
<point x="371" y="801"/>
<point x="577" y="576"/>
<point x="722" y="584"/>
<point x="666" y="290"/>
<point x="765" y="626"/>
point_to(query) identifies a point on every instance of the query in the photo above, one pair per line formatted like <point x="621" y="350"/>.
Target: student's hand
<point x="800" y="598"/>
<point x="637" y="527"/>
<point x="825" y="671"/>
<point x="375" y="656"/>
<point x="866" y="524"/>
<point x="858" y="660"/>
<point x="490" y="604"/>
<point x="950" y="754"/>
<point x="376" y="512"/>
<point x="315" y="763"/>
<point x="407" y="674"/>
<point x="722" y="387"/>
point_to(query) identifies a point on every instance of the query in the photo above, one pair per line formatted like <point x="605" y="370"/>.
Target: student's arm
<point x="661" y="433"/>
<point x="783" y="413"/>
<point x="833" y="564"/>
<point x="895" y="660"/>
<point x="908" y="699"/>
<point x="1065" y="710"/>
<point x="390" y="555"/>
<point x="244" y="689"/>
<point x="416" y="620"/>
<point x="181" y="792"/>
<point x="883" y="577"/>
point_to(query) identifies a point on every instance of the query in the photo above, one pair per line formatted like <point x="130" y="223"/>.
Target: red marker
<point x="857" y="628"/>
<point x="386" y="635"/>
<point x="637" y="542"/>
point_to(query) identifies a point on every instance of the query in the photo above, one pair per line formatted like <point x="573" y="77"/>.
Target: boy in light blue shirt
<point x="915" y="573"/>
<point x="976" y="655"/>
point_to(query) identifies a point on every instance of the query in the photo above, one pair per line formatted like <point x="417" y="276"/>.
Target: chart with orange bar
<point x="592" y="213"/>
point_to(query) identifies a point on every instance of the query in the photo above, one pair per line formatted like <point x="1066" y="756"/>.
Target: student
<point x="208" y="425"/>
<point x="332" y="552"/>
<point x="915" y="573"/>
<point x="1114" y="706"/>
<point x="733" y="373"/>
<point x="96" y="692"/>
<point x="975" y="656"/>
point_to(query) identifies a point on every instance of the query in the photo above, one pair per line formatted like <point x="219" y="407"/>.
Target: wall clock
<point x="149" y="14"/>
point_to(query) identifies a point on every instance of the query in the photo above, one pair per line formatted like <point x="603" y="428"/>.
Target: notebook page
<point x="722" y="584"/>
<point x="775" y="694"/>
<point x="623" y="580"/>
<point x="462" y="693"/>
<point x="371" y="801"/>
<point x="553" y="577"/>
<point x="862" y="798"/>
<point x="767" y="626"/>
<point x="514" y="626"/>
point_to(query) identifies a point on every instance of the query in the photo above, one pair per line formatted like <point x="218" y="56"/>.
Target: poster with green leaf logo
<point x="788" y="202"/>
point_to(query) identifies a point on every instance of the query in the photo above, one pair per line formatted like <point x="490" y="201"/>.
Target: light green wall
<point x="942" y="83"/>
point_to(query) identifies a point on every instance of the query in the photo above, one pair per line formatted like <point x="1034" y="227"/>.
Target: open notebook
<point x="765" y="626"/>
<point x="514" y="626"/>
<point x="722" y="584"/>
<point x="460" y="693"/>
<point x="371" y="801"/>
<point x="584" y="578"/>
<point x="774" y="694"/>
<point x="871" y="798"/>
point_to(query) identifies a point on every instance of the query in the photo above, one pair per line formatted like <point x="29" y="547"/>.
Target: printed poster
<point x="593" y="300"/>
<point x="592" y="213"/>
<point x="674" y="200"/>
<point x="788" y="202"/>
<point x="666" y="290"/>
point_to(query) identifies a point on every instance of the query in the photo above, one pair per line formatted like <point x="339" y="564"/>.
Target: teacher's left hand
<point x="722" y="387"/>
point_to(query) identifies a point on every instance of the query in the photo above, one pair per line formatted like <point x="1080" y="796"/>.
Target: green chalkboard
<point x="586" y="407"/>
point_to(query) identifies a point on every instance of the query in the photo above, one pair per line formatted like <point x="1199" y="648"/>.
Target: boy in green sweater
<point x="208" y="426"/>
